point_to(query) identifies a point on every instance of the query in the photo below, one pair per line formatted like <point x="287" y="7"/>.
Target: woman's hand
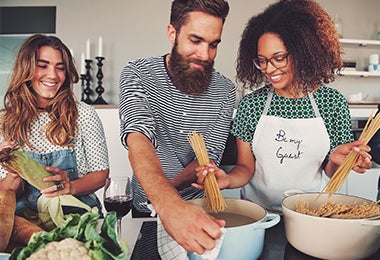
<point x="339" y="154"/>
<point x="220" y="175"/>
<point x="3" y="145"/>
<point x="60" y="177"/>
<point x="12" y="180"/>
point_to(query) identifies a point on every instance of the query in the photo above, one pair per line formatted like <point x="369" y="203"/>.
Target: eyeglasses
<point x="278" y="61"/>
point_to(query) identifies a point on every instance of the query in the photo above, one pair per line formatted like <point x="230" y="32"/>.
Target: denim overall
<point x="65" y="160"/>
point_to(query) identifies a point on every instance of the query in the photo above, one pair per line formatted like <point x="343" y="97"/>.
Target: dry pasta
<point x="214" y="197"/>
<point x="337" y="180"/>
<point x="340" y="210"/>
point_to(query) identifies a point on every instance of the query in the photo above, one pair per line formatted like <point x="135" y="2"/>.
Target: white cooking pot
<point x="244" y="241"/>
<point x="330" y="238"/>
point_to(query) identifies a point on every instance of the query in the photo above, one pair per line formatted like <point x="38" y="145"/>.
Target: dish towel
<point x="169" y="249"/>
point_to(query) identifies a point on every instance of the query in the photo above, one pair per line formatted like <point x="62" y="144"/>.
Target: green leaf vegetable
<point x="100" y="246"/>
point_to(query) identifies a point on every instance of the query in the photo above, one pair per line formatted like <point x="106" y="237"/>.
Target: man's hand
<point x="191" y="226"/>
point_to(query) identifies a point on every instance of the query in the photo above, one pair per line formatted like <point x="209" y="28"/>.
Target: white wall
<point x="118" y="156"/>
<point x="133" y="29"/>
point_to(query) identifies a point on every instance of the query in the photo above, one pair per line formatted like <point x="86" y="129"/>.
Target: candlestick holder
<point x="82" y="78"/>
<point x="87" y="90"/>
<point x="99" y="89"/>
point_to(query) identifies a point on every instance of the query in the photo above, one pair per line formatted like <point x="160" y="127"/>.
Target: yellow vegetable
<point x="28" y="169"/>
<point x="49" y="209"/>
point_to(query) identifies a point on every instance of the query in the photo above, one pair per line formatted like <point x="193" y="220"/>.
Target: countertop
<point x="143" y="247"/>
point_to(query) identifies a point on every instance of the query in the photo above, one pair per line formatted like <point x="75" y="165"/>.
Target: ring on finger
<point x="60" y="186"/>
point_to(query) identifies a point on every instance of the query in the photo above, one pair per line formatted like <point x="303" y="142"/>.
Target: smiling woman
<point x="54" y="129"/>
<point x="13" y="31"/>
<point x="49" y="75"/>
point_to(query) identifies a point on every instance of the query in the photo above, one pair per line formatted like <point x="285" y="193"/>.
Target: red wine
<point x="121" y="204"/>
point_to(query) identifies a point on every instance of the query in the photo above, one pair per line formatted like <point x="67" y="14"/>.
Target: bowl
<point x="4" y="256"/>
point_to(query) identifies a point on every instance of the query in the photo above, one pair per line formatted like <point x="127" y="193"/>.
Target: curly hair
<point x="181" y="8"/>
<point x="309" y="36"/>
<point x="20" y="102"/>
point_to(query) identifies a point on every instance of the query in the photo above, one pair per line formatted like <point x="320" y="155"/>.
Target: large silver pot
<point x="330" y="238"/>
<point x="244" y="241"/>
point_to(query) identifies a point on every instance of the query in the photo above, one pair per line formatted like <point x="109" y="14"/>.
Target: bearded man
<point x="162" y="100"/>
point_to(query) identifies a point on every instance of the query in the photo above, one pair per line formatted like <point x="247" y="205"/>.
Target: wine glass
<point x="118" y="197"/>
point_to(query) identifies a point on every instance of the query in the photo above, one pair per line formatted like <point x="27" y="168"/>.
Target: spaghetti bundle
<point x="337" y="180"/>
<point x="214" y="197"/>
<point x="340" y="210"/>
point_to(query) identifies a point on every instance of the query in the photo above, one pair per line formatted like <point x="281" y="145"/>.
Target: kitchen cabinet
<point x="363" y="185"/>
<point x="118" y="155"/>
<point x="358" y="50"/>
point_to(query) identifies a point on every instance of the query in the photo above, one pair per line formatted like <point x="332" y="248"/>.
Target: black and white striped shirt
<point x="150" y="104"/>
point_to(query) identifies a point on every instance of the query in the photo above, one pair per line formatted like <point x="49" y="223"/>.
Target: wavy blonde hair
<point x="20" y="102"/>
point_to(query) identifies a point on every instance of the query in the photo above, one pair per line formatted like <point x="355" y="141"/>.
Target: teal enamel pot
<point x="243" y="239"/>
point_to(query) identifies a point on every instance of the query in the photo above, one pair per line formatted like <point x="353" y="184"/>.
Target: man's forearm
<point x="148" y="171"/>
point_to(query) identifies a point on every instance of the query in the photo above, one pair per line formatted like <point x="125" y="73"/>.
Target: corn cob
<point x="28" y="169"/>
<point x="50" y="209"/>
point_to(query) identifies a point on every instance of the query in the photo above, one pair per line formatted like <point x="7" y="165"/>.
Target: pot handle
<point x="288" y="193"/>
<point x="269" y="220"/>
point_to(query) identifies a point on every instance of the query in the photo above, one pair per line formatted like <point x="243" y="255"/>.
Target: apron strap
<point x="313" y="104"/>
<point x="269" y="99"/>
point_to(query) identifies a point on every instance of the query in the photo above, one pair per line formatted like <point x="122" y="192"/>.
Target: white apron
<point x="289" y="155"/>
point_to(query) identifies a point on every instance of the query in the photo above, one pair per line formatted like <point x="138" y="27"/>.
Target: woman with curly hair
<point x="42" y="115"/>
<point x="292" y="127"/>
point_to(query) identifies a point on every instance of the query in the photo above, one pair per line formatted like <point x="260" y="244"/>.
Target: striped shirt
<point x="150" y="104"/>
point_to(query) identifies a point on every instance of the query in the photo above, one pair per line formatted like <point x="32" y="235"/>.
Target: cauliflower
<point x="77" y="238"/>
<point x="68" y="248"/>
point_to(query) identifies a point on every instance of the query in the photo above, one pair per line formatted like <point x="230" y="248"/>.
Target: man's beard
<point x="188" y="80"/>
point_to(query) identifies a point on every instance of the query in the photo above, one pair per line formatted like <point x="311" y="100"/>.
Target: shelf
<point x="363" y="74"/>
<point x="360" y="42"/>
<point x="107" y="106"/>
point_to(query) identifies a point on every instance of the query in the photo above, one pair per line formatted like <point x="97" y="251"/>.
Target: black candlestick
<point x="82" y="78"/>
<point x="87" y="90"/>
<point x="99" y="89"/>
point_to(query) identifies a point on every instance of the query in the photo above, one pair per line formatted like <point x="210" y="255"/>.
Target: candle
<point x="100" y="47"/>
<point x="88" y="50"/>
<point x="82" y="65"/>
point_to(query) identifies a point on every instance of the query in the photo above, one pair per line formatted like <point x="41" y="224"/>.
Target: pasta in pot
<point x="340" y="210"/>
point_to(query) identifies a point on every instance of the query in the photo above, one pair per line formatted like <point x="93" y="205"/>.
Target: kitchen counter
<point x="276" y="246"/>
<point x="363" y="105"/>
<point x="130" y="229"/>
